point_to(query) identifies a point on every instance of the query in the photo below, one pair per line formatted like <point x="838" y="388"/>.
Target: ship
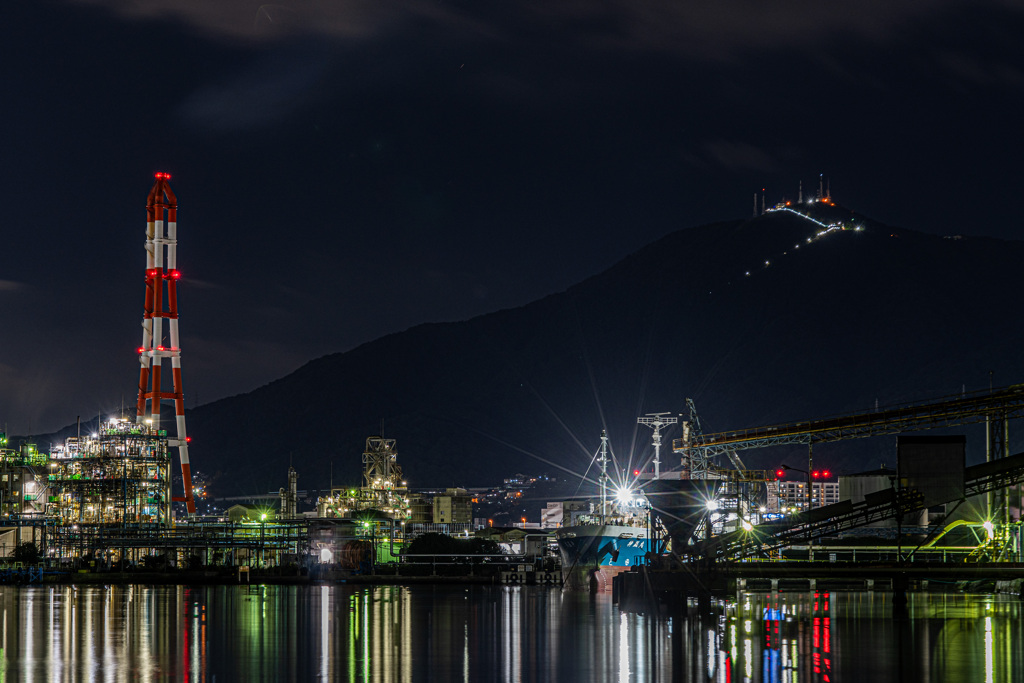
<point x="608" y="536"/>
<point x="604" y="537"/>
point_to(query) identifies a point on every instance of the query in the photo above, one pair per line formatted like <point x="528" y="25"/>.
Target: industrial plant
<point x="104" y="499"/>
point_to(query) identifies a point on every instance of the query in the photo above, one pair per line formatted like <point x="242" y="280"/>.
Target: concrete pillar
<point x="900" y="584"/>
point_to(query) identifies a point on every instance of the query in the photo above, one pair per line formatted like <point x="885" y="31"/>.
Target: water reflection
<point x="482" y="633"/>
<point x="826" y="637"/>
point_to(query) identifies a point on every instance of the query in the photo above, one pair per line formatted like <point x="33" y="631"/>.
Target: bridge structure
<point x="995" y="408"/>
<point x="829" y="520"/>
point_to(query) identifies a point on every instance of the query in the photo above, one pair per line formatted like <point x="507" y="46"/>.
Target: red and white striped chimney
<point x="161" y="271"/>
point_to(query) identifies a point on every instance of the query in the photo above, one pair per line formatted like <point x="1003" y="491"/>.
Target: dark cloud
<point x="267" y="91"/>
<point x="975" y="71"/>
<point x="698" y="29"/>
<point x="736" y="156"/>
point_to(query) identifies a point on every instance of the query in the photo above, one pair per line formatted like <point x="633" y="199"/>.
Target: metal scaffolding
<point x="120" y="475"/>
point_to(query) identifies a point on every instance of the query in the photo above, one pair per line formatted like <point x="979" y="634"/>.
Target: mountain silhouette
<point x="777" y="318"/>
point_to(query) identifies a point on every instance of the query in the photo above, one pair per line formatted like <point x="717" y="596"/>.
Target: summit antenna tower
<point x="161" y="272"/>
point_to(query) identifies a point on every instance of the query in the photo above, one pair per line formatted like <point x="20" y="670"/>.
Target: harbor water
<point x="490" y="633"/>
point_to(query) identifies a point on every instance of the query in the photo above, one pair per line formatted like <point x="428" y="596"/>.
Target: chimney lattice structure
<point x="161" y="271"/>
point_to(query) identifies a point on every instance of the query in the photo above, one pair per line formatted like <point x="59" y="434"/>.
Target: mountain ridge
<point x="824" y="327"/>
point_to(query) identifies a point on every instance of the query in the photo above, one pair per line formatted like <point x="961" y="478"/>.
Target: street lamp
<point x="263" y="529"/>
<point x="810" y="555"/>
<point x="372" y="528"/>
<point x="797" y="469"/>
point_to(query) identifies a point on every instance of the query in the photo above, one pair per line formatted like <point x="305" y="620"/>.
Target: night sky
<point x="348" y="169"/>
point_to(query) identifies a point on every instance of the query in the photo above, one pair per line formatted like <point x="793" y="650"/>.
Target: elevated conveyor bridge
<point x="832" y="519"/>
<point x="1001" y="404"/>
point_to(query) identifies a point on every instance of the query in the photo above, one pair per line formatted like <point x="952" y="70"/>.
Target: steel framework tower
<point x="656" y="421"/>
<point x="162" y="269"/>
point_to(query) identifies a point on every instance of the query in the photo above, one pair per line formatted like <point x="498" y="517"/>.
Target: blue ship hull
<point x="591" y="549"/>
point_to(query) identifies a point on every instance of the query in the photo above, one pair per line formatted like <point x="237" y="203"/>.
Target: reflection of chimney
<point x="800" y="195"/>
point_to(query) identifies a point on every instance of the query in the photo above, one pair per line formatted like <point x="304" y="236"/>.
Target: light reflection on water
<point x="483" y="633"/>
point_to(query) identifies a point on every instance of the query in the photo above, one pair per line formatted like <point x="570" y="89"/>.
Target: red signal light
<point x="188" y="439"/>
<point x="827" y="473"/>
<point x="636" y="472"/>
<point x="816" y="474"/>
<point x="173" y="274"/>
<point x="141" y="350"/>
<point x="779" y="474"/>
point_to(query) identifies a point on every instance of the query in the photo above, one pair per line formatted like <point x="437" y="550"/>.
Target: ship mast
<point x="656" y="421"/>
<point x="602" y="461"/>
